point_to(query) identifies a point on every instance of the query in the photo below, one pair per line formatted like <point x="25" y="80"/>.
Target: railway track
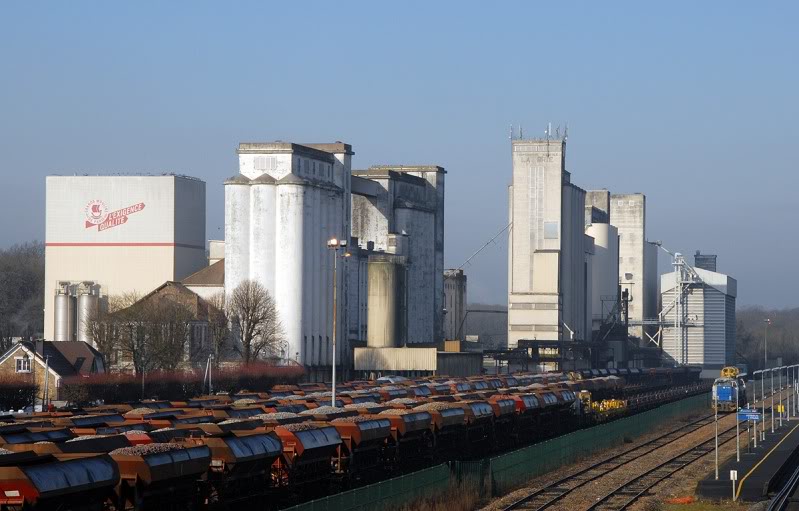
<point x="623" y="496"/>
<point x="626" y="494"/>
<point x="556" y="491"/>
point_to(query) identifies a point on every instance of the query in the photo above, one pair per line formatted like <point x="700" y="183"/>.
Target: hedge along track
<point x="554" y="492"/>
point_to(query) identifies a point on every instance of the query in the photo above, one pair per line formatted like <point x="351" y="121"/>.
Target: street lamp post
<point x="772" y="400"/>
<point x="788" y="386"/>
<point x="737" y="424"/>
<point x="779" y="385"/>
<point x="763" y="399"/>
<point x="335" y="245"/>
<point x="754" y="405"/>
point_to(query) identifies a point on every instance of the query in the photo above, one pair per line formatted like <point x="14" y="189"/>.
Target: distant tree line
<point x="21" y="292"/>
<point x="783" y="336"/>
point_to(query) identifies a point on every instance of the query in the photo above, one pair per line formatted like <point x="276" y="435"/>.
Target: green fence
<point x="389" y="493"/>
<point x="497" y="475"/>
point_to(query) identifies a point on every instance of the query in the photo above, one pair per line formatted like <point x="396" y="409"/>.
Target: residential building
<point x="49" y="363"/>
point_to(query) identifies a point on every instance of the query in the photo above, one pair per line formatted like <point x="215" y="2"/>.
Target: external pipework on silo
<point x="386" y="293"/>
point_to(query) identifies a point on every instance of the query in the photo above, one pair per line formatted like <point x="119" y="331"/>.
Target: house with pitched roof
<point x="48" y="363"/>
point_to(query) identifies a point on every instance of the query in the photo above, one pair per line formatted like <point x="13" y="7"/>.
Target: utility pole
<point x="46" y="396"/>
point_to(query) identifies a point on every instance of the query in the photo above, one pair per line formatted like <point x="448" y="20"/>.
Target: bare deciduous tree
<point x="219" y="327"/>
<point x="149" y="334"/>
<point x="254" y="315"/>
<point x="167" y="332"/>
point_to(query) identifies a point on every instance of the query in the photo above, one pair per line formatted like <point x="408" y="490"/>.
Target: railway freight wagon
<point x="48" y="483"/>
<point x="361" y="452"/>
<point x="240" y="467"/>
<point x="305" y="465"/>
<point x="411" y="444"/>
<point x="160" y="476"/>
<point x="276" y="448"/>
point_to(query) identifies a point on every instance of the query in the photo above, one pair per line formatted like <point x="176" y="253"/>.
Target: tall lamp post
<point x="767" y="321"/>
<point x="335" y="245"/>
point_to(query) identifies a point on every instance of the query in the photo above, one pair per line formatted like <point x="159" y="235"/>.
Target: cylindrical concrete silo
<point x="383" y="299"/>
<point x="318" y="286"/>
<point x="604" y="269"/>
<point x="237" y="231"/>
<point x="289" y="257"/>
<point x="88" y="303"/>
<point x="262" y="232"/>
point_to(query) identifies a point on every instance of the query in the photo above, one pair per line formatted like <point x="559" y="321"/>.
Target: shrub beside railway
<point x="124" y="387"/>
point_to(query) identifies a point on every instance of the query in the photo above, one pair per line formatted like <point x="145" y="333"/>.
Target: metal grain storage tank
<point x="87" y="308"/>
<point x="64" y="313"/>
<point x="604" y="269"/>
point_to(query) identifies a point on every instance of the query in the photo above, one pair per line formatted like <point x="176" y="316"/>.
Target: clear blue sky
<point x="693" y="103"/>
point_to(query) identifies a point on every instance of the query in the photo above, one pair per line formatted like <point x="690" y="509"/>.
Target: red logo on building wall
<point x="97" y="214"/>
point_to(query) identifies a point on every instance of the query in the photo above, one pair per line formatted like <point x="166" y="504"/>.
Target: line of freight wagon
<point x="267" y="451"/>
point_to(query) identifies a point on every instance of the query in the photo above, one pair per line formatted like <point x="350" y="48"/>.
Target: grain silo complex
<point x="113" y="235"/>
<point x="549" y="252"/>
<point x="706" y="314"/>
<point x="281" y="209"/>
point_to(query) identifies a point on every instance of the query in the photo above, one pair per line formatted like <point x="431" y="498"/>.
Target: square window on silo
<point x="550" y="230"/>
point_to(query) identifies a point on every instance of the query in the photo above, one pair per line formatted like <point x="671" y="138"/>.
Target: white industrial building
<point x="285" y="204"/>
<point x="708" y="315"/>
<point x="549" y="253"/>
<point x="605" y="260"/>
<point x="115" y="235"/>
<point x="637" y="260"/>
<point x="280" y="211"/>
<point x="405" y="204"/>
<point x="455" y="304"/>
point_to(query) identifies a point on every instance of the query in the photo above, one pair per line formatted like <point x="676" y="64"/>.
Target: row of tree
<point x="752" y="334"/>
<point x="157" y="332"/>
<point x="21" y="292"/>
